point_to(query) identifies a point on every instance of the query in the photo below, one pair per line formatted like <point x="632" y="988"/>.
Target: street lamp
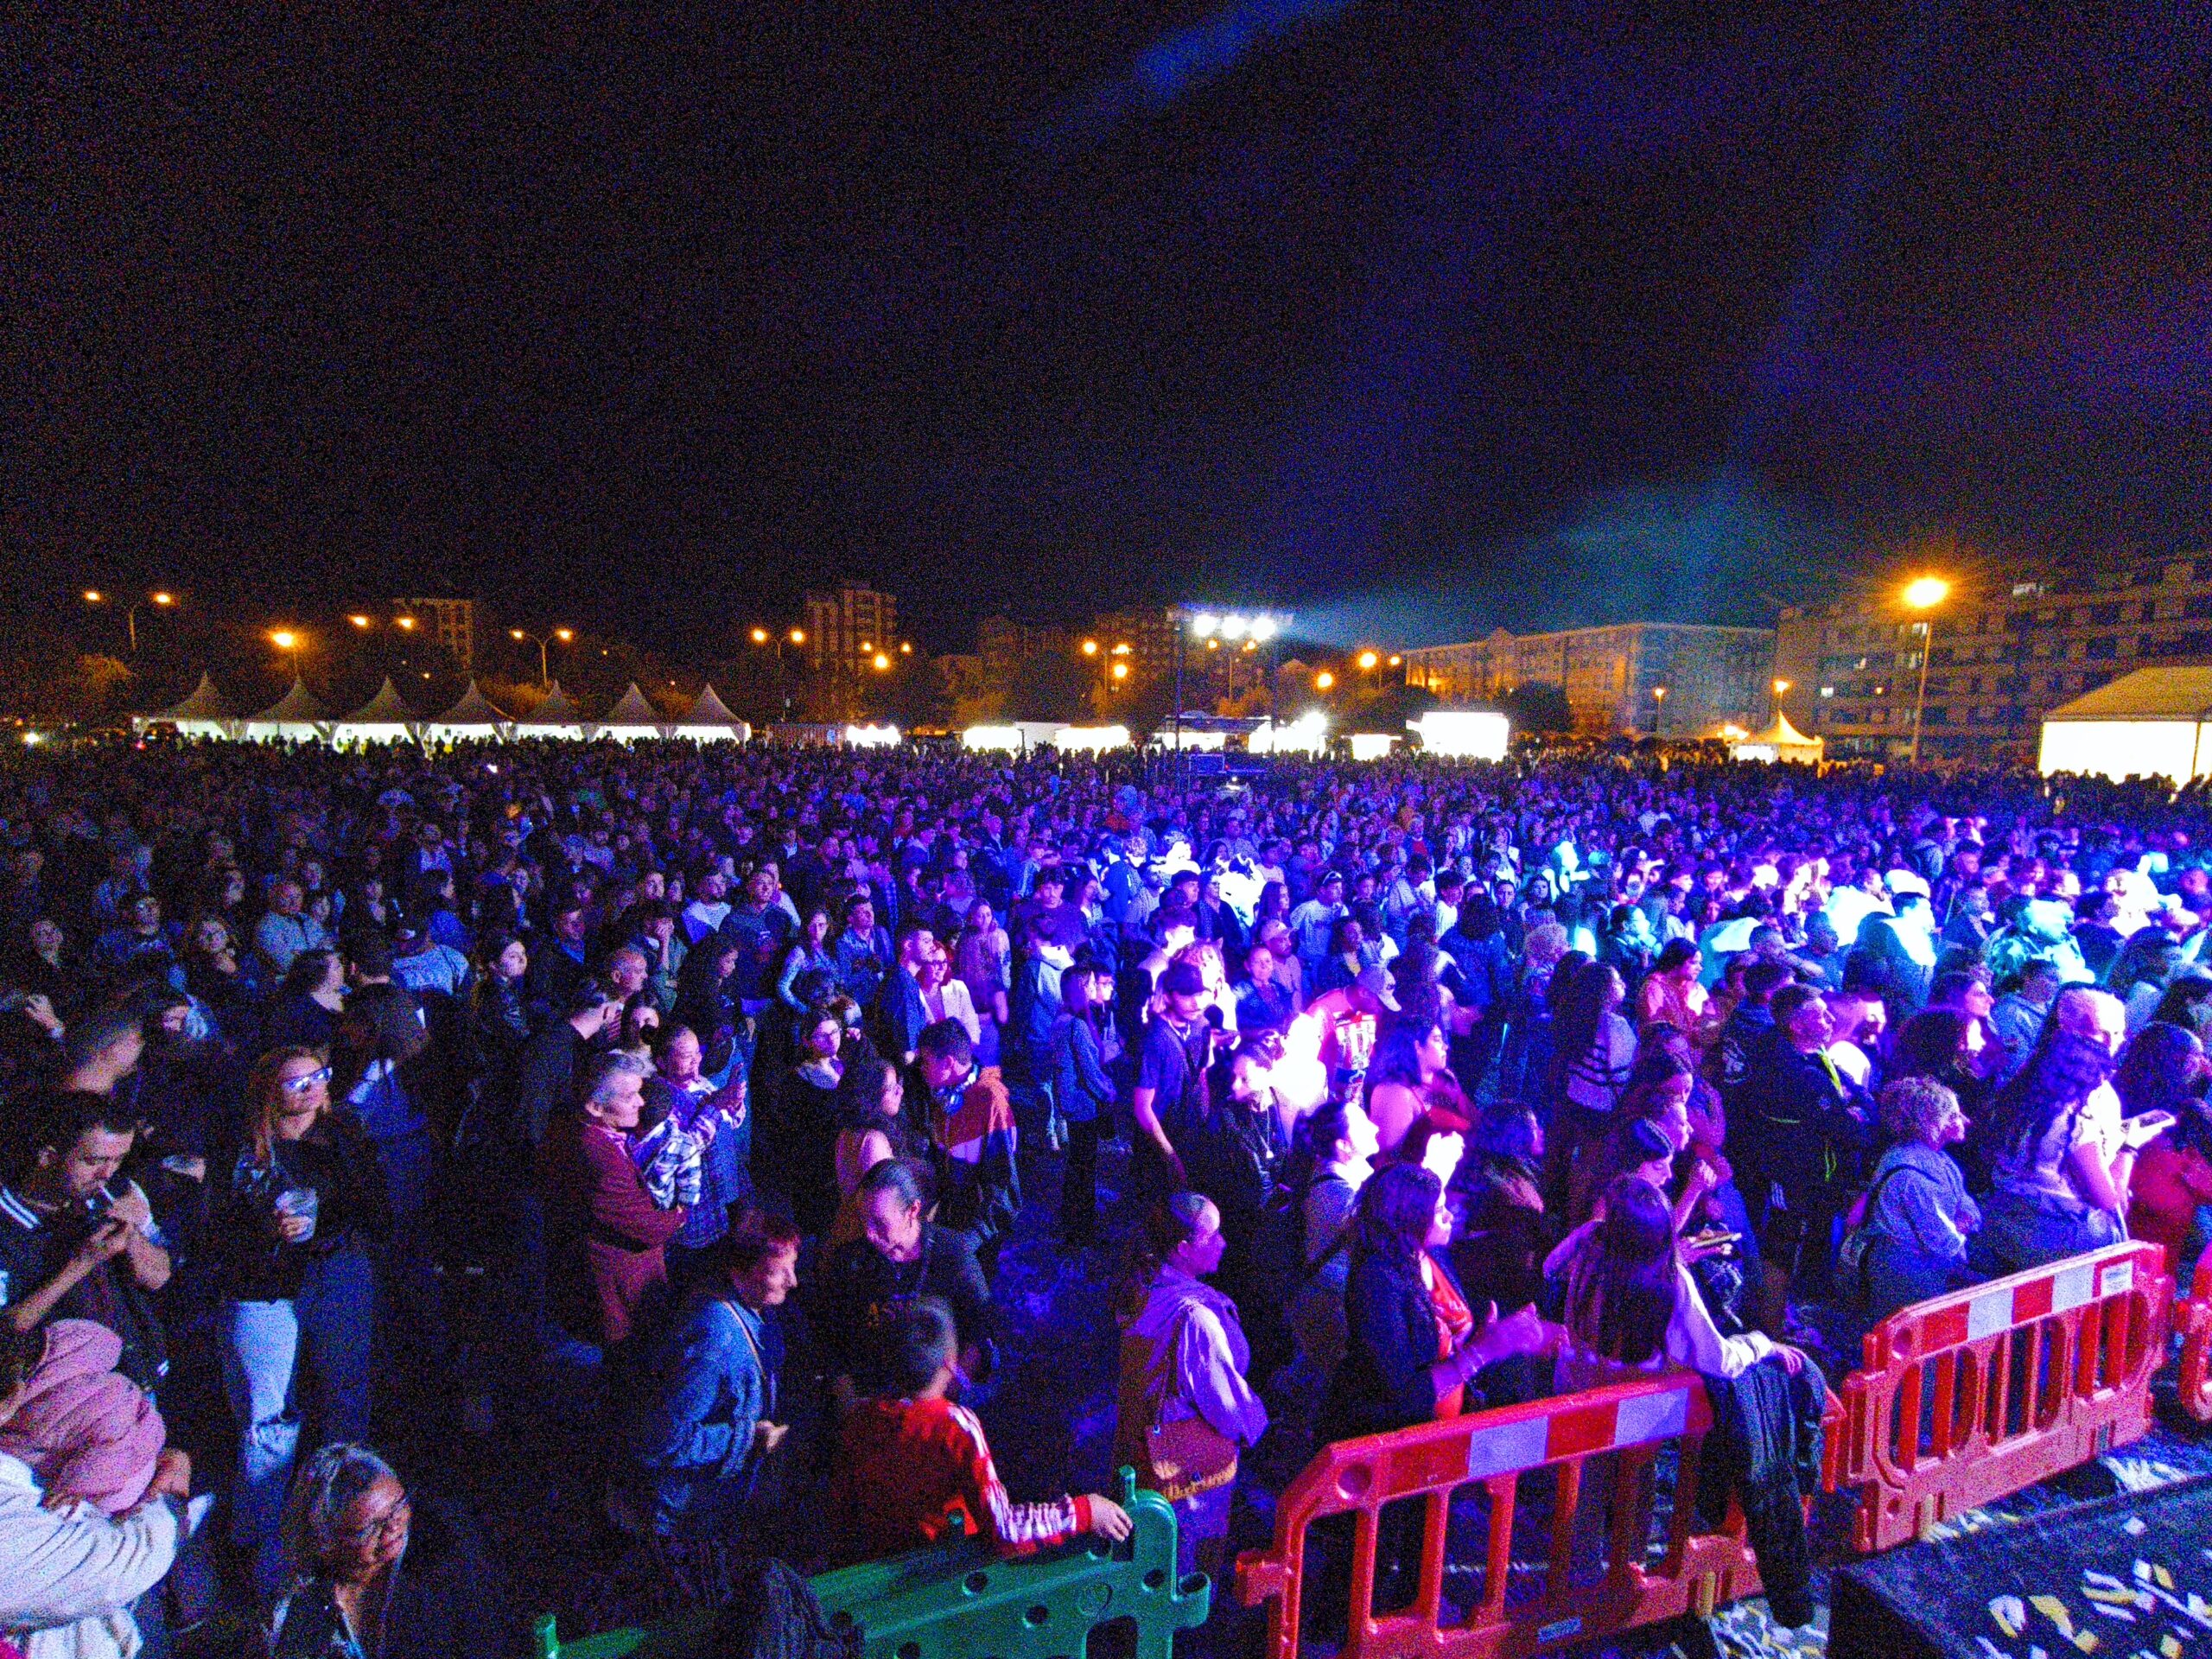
<point x="1659" y="716"/>
<point x="289" y="642"/>
<point x="160" y="597"/>
<point x="1090" y="647"/>
<point x="1324" y="680"/>
<point x="1924" y="593"/>
<point x="760" y="636"/>
<point x="545" y="674"/>
<point x="359" y="621"/>
<point x="881" y="662"/>
<point x="1368" y="660"/>
<point x="1211" y="626"/>
<point x="796" y="637"/>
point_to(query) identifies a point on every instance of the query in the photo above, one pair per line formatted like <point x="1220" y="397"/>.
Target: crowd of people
<point x="348" y="1090"/>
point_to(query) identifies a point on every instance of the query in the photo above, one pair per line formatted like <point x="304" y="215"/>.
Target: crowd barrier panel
<point x="2194" y="1314"/>
<point x="1971" y="1396"/>
<point x="962" y="1601"/>
<point x="1628" y="1423"/>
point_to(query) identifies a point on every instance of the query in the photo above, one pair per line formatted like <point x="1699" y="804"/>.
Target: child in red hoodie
<point x="907" y="1464"/>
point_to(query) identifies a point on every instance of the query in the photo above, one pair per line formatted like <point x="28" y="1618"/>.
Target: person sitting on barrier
<point x="910" y="1460"/>
<point x="1632" y="1304"/>
<point x="2164" y="1069"/>
<point x="2065" y="1156"/>
<point x="1912" y="1243"/>
<point x="704" y="1429"/>
<point x="899" y="1255"/>
<point x="1185" y="1406"/>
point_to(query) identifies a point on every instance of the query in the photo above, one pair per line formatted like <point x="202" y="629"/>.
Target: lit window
<point x="1828" y="690"/>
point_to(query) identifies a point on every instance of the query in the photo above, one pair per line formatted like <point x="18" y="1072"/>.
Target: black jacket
<point x="1390" y="1344"/>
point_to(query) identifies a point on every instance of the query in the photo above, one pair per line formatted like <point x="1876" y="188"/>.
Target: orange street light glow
<point x="1120" y="670"/>
<point x="760" y="636"/>
<point x="284" y="639"/>
<point x="164" y="598"/>
<point x="1324" y="680"/>
<point x="1090" y="647"/>
<point x="1925" y="593"/>
<point x="882" y="662"/>
<point x="564" y="634"/>
<point x="798" y="636"/>
<point x="93" y="596"/>
<point x="1368" y="659"/>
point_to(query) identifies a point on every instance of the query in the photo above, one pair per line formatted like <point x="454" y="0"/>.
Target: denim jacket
<point x="707" y="1393"/>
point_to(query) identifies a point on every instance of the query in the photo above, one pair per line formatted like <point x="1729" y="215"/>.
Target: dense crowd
<point x="346" y="1092"/>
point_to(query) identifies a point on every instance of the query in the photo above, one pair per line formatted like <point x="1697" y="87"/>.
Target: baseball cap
<point x="1375" y="982"/>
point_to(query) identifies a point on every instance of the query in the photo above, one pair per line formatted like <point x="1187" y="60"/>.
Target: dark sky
<point x="1541" y="313"/>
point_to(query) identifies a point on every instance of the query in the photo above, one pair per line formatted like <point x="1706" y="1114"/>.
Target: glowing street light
<point x="906" y="647"/>
<point x="404" y="624"/>
<point x="1924" y="593"/>
<point x="544" y="673"/>
<point x="1368" y="659"/>
<point x="1205" y="625"/>
<point x="1396" y="660"/>
<point x="359" y="621"/>
<point x="1781" y="686"/>
<point x="1324" y="680"/>
<point x="760" y="636"/>
<point x="162" y="598"/>
<point x="285" y="639"/>
<point x="1120" y="670"/>
<point x="1659" y="716"/>
<point x="1090" y="647"/>
<point x="883" y="663"/>
<point x="798" y="636"/>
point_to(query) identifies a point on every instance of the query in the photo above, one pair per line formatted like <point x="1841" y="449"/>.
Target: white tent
<point x="472" y="720"/>
<point x="1464" y="733"/>
<point x="1014" y="735"/>
<point x="384" y="718"/>
<point x="2151" y="722"/>
<point x="555" y="716"/>
<point x="1780" y="742"/>
<point x="204" y="713"/>
<point x="711" y="722"/>
<point x="294" y="717"/>
<point x="632" y="717"/>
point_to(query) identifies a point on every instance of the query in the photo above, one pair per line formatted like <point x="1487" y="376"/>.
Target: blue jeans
<point x="321" y="1338"/>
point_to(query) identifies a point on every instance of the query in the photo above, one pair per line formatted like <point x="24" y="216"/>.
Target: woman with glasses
<point x="374" y="1572"/>
<point x="294" y="1212"/>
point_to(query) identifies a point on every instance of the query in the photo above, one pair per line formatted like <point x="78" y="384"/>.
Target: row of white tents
<point x="386" y="718"/>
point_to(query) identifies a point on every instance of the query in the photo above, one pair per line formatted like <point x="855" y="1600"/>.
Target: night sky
<point x="1523" y="314"/>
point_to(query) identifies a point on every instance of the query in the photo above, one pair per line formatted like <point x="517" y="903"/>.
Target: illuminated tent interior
<point x="295" y="717"/>
<point x="711" y="722"/>
<point x="631" y="717"/>
<point x="555" y="716"/>
<point x="471" y="720"/>
<point x="384" y="718"/>
<point x="204" y="713"/>
<point x="2154" y="722"/>
<point x="1780" y="742"/>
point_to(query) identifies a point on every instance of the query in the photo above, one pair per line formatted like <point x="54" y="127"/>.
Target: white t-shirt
<point x="2051" y="1172"/>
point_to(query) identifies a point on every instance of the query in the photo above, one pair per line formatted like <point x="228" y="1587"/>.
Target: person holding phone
<point x="2066" y="1155"/>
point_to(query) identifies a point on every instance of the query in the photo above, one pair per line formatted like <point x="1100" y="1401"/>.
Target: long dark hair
<point x="2062" y="1074"/>
<point x="1579" y="1012"/>
<point x="1398" y="1207"/>
<point x="2161" y="1070"/>
<point x="1620" y="1296"/>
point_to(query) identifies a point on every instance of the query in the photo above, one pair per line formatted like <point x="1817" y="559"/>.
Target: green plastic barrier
<point x="960" y="1600"/>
